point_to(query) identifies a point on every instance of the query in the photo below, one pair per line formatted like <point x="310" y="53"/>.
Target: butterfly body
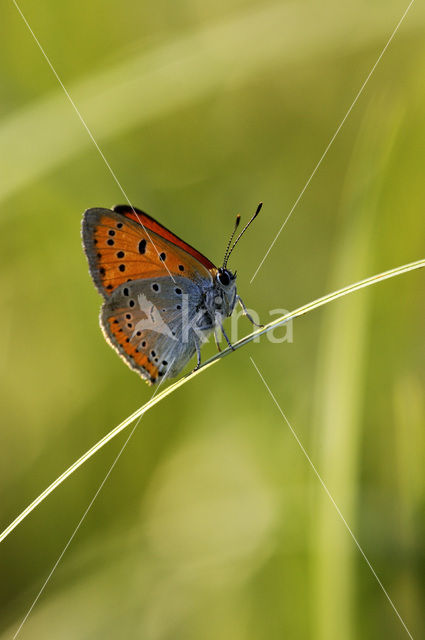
<point x="162" y="298"/>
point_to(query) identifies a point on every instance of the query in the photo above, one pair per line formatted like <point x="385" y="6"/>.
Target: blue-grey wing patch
<point x="155" y="324"/>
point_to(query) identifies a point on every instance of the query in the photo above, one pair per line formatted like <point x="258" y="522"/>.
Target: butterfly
<point x="162" y="297"/>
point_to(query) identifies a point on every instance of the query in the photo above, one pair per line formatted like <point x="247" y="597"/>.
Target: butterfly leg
<point x="225" y="335"/>
<point x="245" y="310"/>
<point x="217" y="342"/>
<point x="198" y="355"/>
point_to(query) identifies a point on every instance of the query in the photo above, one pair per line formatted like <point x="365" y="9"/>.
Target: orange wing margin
<point x="146" y="221"/>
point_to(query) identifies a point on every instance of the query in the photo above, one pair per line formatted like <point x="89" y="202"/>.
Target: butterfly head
<point x="225" y="277"/>
<point x="223" y="293"/>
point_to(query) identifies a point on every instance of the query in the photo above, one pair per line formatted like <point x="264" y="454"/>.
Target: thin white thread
<point x="74" y="533"/>
<point x="258" y="268"/>
<point x="328" y="493"/>
<point x="83" y="122"/>
<point x="333" y="139"/>
<point x="307" y="308"/>
<point x="83" y="517"/>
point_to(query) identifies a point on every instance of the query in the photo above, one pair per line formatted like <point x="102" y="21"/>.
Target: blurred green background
<point x="213" y="524"/>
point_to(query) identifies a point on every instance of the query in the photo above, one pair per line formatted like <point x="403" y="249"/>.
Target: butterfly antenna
<point x="228" y="252"/>
<point x="237" y="221"/>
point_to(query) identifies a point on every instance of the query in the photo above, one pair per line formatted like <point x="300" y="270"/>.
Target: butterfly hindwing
<point x="150" y="324"/>
<point x="121" y="249"/>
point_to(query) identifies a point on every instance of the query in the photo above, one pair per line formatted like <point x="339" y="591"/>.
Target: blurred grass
<point x="342" y="361"/>
<point x="203" y="109"/>
<point x="160" y="395"/>
<point x="192" y="67"/>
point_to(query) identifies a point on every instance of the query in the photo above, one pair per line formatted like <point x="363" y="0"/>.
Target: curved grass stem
<point x="320" y="302"/>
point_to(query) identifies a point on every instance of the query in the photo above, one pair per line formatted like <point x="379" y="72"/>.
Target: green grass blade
<point x="307" y="308"/>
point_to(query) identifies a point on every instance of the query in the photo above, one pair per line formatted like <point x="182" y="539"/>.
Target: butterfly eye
<point x="224" y="278"/>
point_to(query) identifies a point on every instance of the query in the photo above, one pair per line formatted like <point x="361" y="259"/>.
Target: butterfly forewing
<point x="120" y="250"/>
<point x="151" y="224"/>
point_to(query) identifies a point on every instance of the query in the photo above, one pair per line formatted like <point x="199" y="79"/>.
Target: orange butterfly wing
<point x="128" y="349"/>
<point x="120" y="248"/>
<point x="132" y="213"/>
